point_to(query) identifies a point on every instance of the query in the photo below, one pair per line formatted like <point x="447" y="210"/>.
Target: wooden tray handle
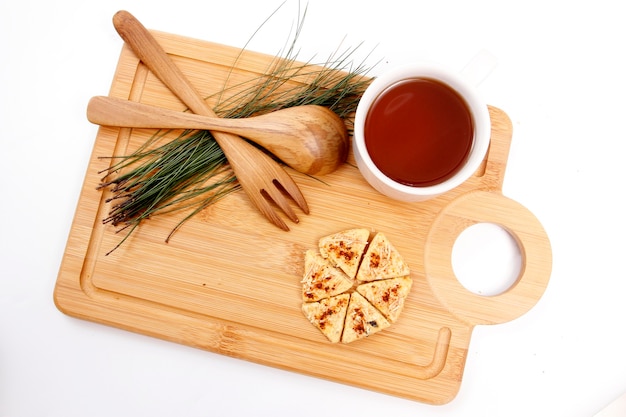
<point x="487" y="207"/>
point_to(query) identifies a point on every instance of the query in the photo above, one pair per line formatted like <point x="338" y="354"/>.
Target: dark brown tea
<point x="419" y="132"/>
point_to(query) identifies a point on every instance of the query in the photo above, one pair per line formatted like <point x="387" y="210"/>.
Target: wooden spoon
<point x="310" y="139"/>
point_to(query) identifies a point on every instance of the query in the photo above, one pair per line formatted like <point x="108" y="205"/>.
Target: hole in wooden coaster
<point x="486" y="259"/>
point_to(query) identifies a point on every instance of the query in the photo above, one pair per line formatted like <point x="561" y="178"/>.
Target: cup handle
<point x="479" y="67"/>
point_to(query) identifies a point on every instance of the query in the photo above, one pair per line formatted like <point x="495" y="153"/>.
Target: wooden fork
<point x="260" y="176"/>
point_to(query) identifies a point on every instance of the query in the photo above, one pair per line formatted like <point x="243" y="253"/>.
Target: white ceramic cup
<point x="481" y="126"/>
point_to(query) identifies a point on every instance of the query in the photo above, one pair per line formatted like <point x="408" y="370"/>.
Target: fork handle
<point x="152" y="54"/>
<point x="148" y="50"/>
<point x="156" y="59"/>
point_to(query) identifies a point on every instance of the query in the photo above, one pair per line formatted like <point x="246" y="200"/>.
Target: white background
<point x="561" y="80"/>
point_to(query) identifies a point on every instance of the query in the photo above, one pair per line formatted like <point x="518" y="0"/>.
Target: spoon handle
<point x="111" y="111"/>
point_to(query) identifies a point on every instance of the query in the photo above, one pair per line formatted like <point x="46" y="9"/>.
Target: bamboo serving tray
<point x="229" y="281"/>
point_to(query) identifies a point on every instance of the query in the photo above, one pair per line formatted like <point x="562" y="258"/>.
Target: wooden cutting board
<point x="229" y="282"/>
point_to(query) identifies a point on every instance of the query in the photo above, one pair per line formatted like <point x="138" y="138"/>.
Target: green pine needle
<point x="191" y="172"/>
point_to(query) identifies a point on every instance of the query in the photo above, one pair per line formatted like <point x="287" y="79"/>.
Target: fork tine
<point x="266" y="209"/>
<point x="278" y="197"/>
<point x="290" y="186"/>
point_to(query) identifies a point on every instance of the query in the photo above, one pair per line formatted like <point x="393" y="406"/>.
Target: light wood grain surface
<point x="229" y="281"/>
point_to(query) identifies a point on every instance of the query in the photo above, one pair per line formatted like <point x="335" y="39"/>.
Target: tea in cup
<point x="420" y="131"/>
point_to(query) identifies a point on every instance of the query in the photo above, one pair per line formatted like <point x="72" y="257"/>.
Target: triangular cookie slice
<point x="328" y="315"/>
<point x="362" y="319"/>
<point x="387" y="295"/>
<point x="381" y="261"/>
<point x="344" y="249"/>
<point x="321" y="279"/>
